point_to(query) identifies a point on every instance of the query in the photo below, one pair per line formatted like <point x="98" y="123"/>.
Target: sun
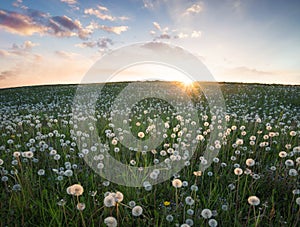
<point x="187" y="83"/>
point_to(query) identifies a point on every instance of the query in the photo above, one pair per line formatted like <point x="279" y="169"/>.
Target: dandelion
<point x="68" y="173"/>
<point x="185" y="225"/>
<point x="141" y="135"/>
<point x="293" y="172"/>
<point x="119" y="197"/>
<point x="137" y="211"/>
<point x="238" y="171"/>
<point x="197" y="173"/>
<point x="289" y="162"/>
<point x="189" y="222"/>
<point x="131" y="203"/>
<point x="109" y="201"/>
<point x="17" y="154"/>
<point x="212" y="223"/>
<point x="28" y="154"/>
<point x="190" y="212"/>
<point x="41" y="172"/>
<point x="206" y="213"/>
<point x="110" y="222"/>
<point x="177" y="183"/>
<point x="253" y="201"/>
<point x="194" y="188"/>
<point x="61" y="202"/>
<point x="250" y="162"/>
<point x="4" y="178"/>
<point x="75" y="189"/>
<point x="80" y="206"/>
<point x="282" y="154"/>
<point x="169" y="218"/>
<point x="293" y="133"/>
<point x="189" y="200"/>
<point x="17" y="187"/>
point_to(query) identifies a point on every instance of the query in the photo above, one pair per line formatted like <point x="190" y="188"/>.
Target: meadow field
<point x="253" y="181"/>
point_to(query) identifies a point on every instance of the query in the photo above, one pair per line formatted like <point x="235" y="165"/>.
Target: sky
<point x="58" y="41"/>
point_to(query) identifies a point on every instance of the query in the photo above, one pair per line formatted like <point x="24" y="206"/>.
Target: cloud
<point x="181" y="35"/>
<point x="157" y="26"/>
<point x="249" y="71"/>
<point x="99" y="13"/>
<point x="89" y="44"/>
<point x="27" y="45"/>
<point x="19" y="50"/>
<point x="7" y="74"/>
<point x="66" y="55"/>
<point x="4" y="53"/>
<point x="36" y="22"/>
<point x="69" y="2"/>
<point x="117" y="29"/>
<point x="20" y="24"/>
<point x="103" y="43"/>
<point x="196" y="34"/>
<point x="165" y="33"/>
<point x="152" y="4"/>
<point x="194" y="9"/>
<point x="163" y="36"/>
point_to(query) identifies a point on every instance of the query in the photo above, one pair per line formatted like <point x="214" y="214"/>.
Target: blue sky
<point x="57" y="41"/>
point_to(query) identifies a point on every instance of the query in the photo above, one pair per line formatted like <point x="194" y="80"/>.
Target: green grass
<point x="45" y="113"/>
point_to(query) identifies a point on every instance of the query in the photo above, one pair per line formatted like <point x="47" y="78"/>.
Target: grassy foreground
<point x="254" y="181"/>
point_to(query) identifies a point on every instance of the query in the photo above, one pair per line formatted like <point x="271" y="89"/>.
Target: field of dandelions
<point x="254" y="181"/>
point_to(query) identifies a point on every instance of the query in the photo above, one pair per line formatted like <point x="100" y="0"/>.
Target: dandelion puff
<point x="238" y="171"/>
<point x="177" y="183"/>
<point x="75" y="189"/>
<point x="189" y="222"/>
<point x="68" y="173"/>
<point x="293" y="172"/>
<point x="41" y="172"/>
<point x="119" y="197"/>
<point x="250" y="162"/>
<point x="289" y="162"/>
<point x="169" y="218"/>
<point x="190" y="212"/>
<point x="254" y="200"/>
<point x="109" y="201"/>
<point x="212" y="223"/>
<point x="189" y="200"/>
<point x="110" y="222"/>
<point x="206" y="213"/>
<point x="282" y="154"/>
<point x="61" y="202"/>
<point x="141" y="135"/>
<point x="137" y="211"/>
<point x="131" y="203"/>
<point x="80" y="206"/>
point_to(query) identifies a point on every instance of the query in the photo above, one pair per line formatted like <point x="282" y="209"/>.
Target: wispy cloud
<point x="7" y="74"/>
<point x="194" y="9"/>
<point x="66" y="54"/>
<point x="19" y="50"/>
<point x="101" y="12"/>
<point x="196" y="34"/>
<point x="70" y="2"/>
<point x="160" y="32"/>
<point x="114" y="29"/>
<point x="36" y="22"/>
<point x="20" y="24"/>
<point x="103" y="43"/>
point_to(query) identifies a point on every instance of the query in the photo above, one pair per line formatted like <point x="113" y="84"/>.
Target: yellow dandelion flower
<point x="167" y="203"/>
